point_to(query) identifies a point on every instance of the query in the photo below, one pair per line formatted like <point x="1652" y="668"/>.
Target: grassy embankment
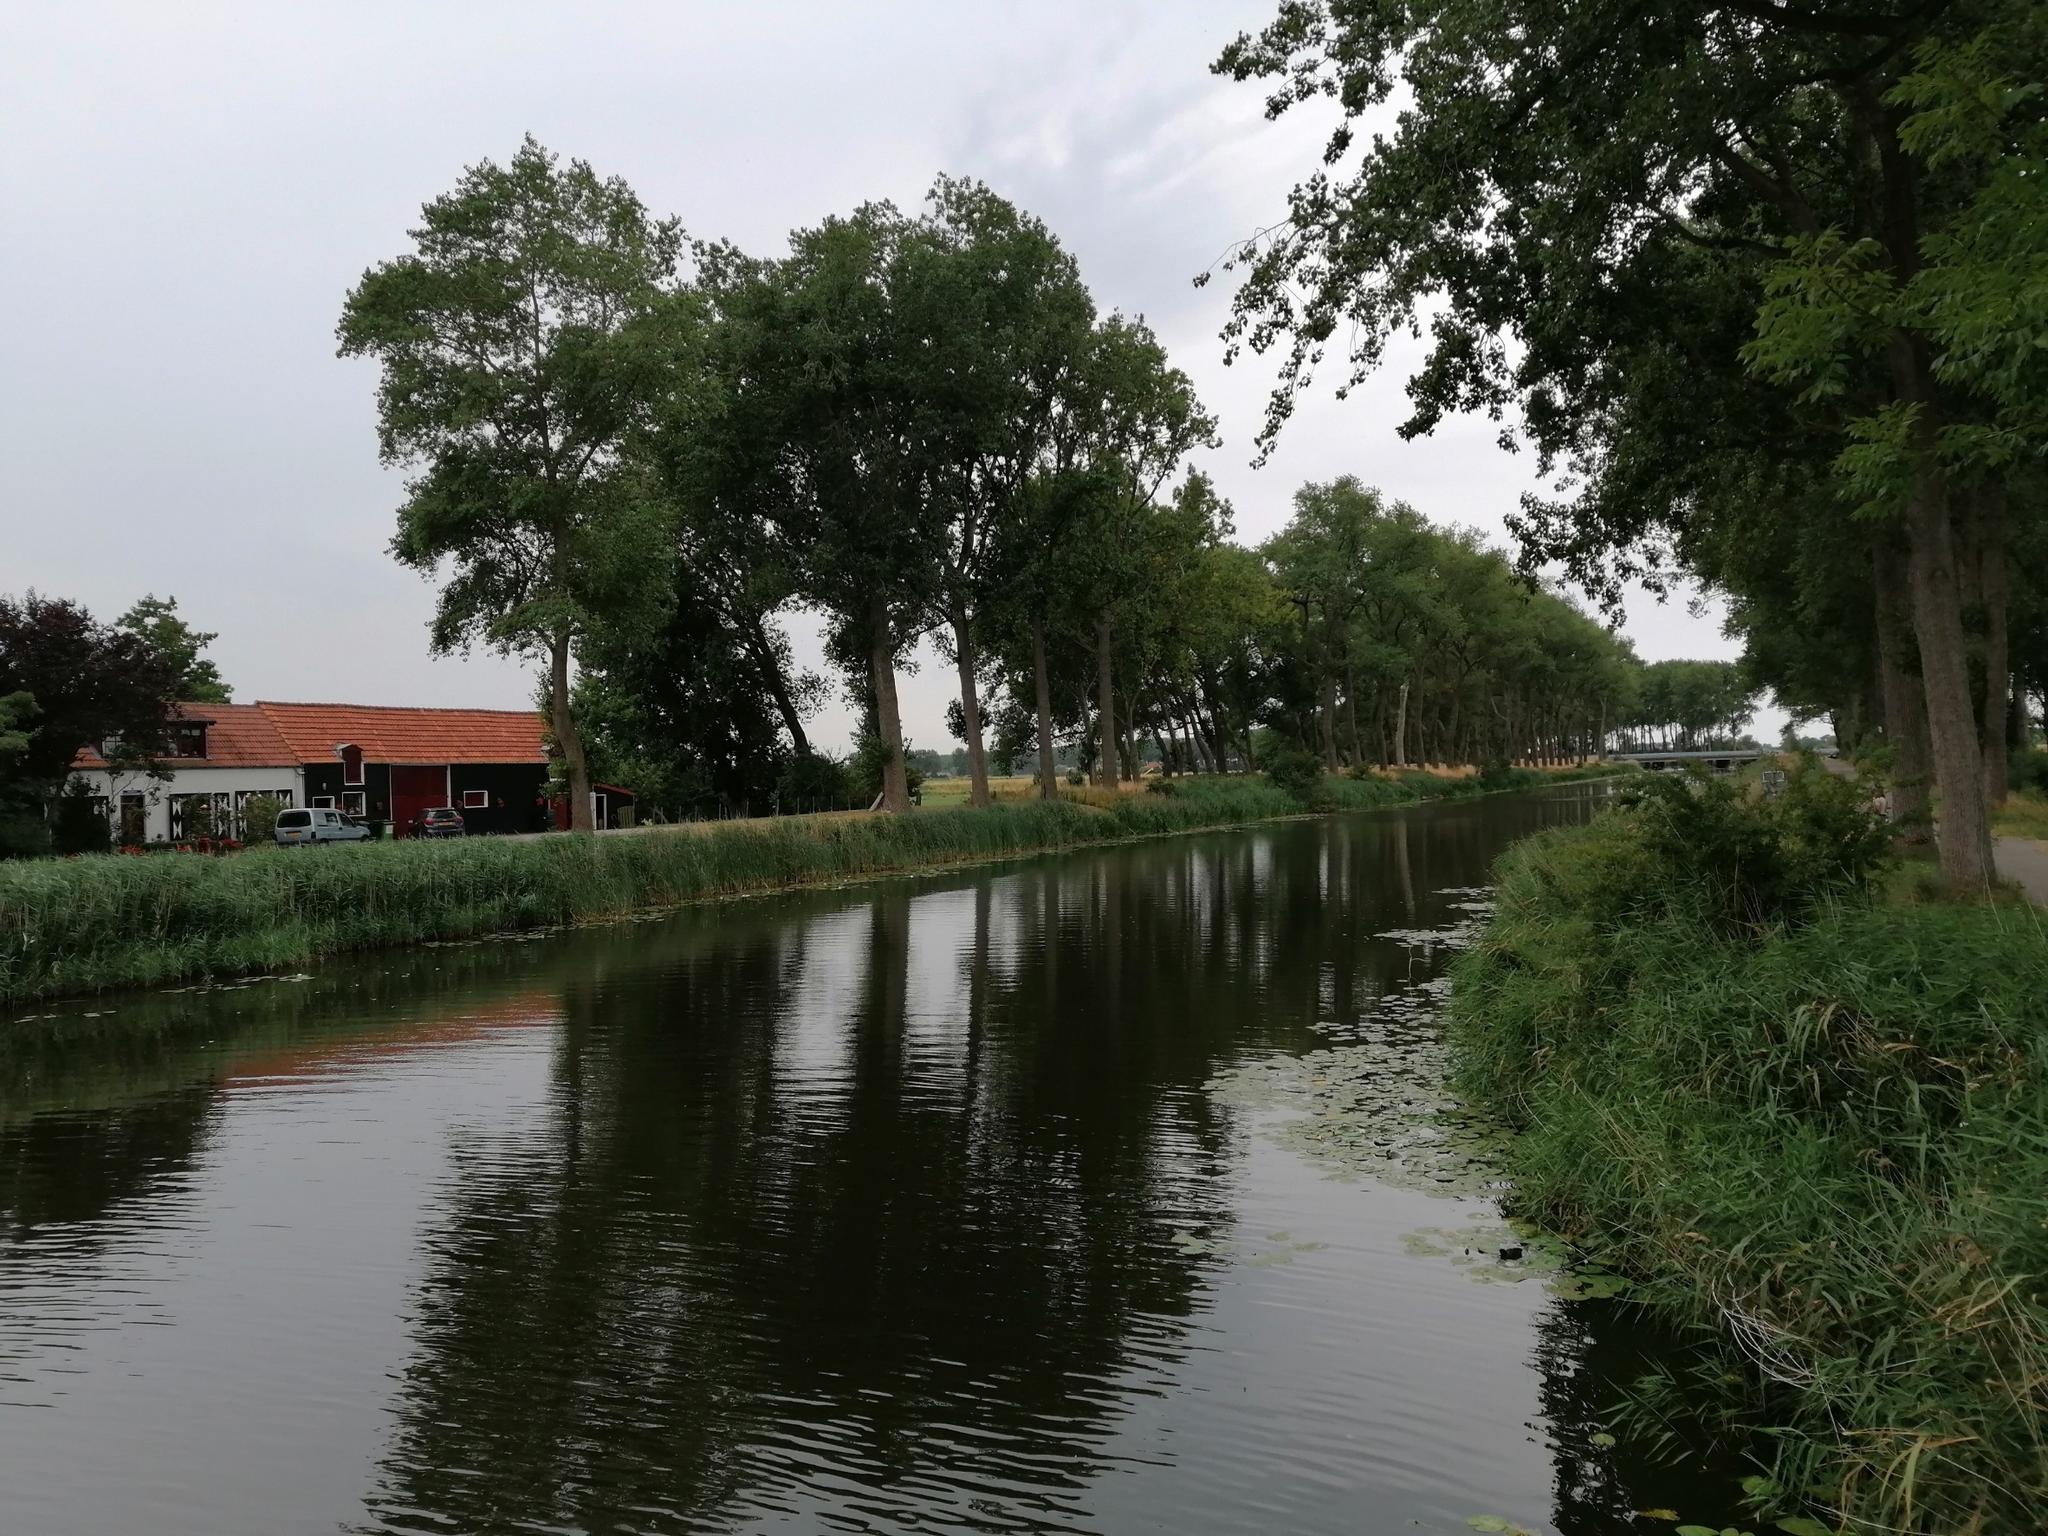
<point x="91" y="924"/>
<point x="1810" y="1109"/>
<point x="2025" y="815"/>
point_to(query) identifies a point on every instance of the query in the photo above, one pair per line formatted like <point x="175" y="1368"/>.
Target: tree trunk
<point x="1965" y="834"/>
<point x="1041" y="685"/>
<point x="778" y="686"/>
<point x="970" y="704"/>
<point x="1326" y="723"/>
<point x="567" y="738"/>
<point x="1105" y="700"/>
<point x="1965" y="829"/>
<point x="1401" y="730"/>
<point x="882" y="661"/>
<point x="1994" y="582"/>
<point x="1351" y="716"/>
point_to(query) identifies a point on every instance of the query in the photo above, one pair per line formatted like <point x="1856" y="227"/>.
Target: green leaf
<point x="1602" y="1439"/>
<point x="1800" y="1525"/>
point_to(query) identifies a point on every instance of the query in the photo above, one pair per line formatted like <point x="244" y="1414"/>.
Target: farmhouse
<point x="222" y="756"/>
<point x="385" y="763"/>
<point x="379" y="763"/>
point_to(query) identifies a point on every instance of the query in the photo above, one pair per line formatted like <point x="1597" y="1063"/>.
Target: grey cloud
<point x="190" y="191"/>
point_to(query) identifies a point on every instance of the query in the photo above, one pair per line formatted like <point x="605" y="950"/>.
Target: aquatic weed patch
<point x="1377" y="1104"/>
<point x="1379" y="1107"/>
<point x="1377" y="1110"/>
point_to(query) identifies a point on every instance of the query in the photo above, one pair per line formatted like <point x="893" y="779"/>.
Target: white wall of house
<point x="160" y="813"/>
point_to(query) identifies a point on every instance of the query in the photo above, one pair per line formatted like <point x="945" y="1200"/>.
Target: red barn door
<point x="414" y="790"/>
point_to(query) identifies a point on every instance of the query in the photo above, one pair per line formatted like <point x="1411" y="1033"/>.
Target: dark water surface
<point x="905" y="1206"/>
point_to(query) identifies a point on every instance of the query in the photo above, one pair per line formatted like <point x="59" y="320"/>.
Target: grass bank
<point x="97" y="923"/>
<point x="1811" y="1113"/>
<point x="2024" y="814"/>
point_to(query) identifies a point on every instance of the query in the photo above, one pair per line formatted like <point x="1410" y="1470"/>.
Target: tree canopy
<point x="68" y="682"/>
<point x="1715" y="263"/>
<point x="155" y="621"/>
<point x="914" y="424"/>
<point x="518" y="350"/>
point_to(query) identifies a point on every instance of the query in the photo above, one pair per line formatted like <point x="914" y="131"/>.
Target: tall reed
<point x="90" y="924"/>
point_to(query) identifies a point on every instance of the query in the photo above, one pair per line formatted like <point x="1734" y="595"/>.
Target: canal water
<point x="1110" y="1193"/>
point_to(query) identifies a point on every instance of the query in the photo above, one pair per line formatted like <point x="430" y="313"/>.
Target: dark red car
<point x="440" y="821"/>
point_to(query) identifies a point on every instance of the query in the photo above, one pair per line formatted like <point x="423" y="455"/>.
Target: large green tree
<point x="73" y="682"/>
<point x="1409" y="642"/>
<point x="1800" y="211"/>
<point x="522" y="342"/>
<point x="22" y="825"/>
<point x="1130" y="420"/>
<point x="1008" y="329"/>
<point x="685" y="718"/>
<point x="831" y="424"/>
<point x="155" y="619"/>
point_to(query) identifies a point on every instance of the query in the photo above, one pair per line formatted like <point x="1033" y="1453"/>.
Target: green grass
<point x="1822" y="1142"/>
<point x="2024" y="814"/>
<point x="97" y="923"/>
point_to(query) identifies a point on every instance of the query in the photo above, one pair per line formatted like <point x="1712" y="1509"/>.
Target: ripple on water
<point x="927" y="1205"/>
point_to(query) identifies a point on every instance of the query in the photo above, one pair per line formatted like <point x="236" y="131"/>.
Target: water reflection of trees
<point x="745" y="1266"/>
<point x="912" y="1258"/>
<point x="1591" y="1356"/>
<point x="881" y="1200"/>
<point x="885" y="1210"/>
<point x="63" y="1171"/>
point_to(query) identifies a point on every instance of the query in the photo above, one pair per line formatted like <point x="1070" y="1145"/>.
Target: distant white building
<point x="222" y="755"/>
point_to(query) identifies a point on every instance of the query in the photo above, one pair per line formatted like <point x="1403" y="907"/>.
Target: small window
<point x="354" y="802"/>
<point x="188" y="739"/>
<point x="323" y="802"/>
<point x="351" y="763"/>
<point x="295" y="818"/>
<point x="476" y="799"/>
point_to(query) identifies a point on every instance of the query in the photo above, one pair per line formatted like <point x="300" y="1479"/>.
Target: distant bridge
<point x="1729" y="760"/>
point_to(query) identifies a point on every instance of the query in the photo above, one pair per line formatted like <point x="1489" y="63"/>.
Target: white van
<point x="318" y="825"/>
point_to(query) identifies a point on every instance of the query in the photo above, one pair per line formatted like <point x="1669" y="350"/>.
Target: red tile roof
<point x="266" y="735"/>
<point x="390" y="734"/>
<point x="237" y="736"/>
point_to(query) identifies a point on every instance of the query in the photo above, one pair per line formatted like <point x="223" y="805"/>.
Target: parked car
<point x="441" y="821"/>
<point x="307" y="828"/>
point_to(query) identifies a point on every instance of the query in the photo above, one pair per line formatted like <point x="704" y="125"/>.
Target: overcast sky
<point x="189" y="191"/>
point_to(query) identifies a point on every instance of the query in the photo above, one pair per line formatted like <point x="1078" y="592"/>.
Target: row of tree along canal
<point x="639" y="455"/>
